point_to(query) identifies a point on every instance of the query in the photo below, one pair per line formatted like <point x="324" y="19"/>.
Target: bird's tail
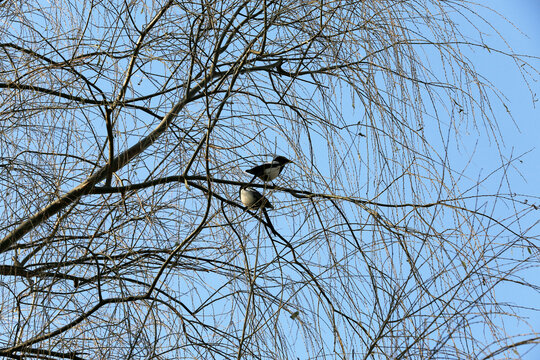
<point x="252" y="179"/>
<point x="269" y="222"/>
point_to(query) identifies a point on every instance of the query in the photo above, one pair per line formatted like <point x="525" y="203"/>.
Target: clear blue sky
<point x="525" y="14"/>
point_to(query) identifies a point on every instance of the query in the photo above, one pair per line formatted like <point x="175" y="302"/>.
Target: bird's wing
<point x="259" y="169"/>
<point x="261" y="200"/>
<point x="269" y="222"/>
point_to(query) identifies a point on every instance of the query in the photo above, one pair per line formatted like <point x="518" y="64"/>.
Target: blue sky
<point x="504" y="75"/>
<point x="519" y="132"/>
<point x="524" y="14"/>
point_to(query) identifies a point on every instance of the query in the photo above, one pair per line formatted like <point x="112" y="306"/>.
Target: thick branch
<point x="86" y="187"/>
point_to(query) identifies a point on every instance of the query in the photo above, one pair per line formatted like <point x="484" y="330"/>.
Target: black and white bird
<point x="254" y="200"/>
<point x="270" y="170"/>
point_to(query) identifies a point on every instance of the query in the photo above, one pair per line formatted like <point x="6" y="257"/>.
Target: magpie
<point x="254" y="200"/>
<point x="270" y="170"/>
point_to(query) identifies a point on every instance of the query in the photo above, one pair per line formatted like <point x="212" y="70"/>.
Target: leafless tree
<point x="125" y="128"/>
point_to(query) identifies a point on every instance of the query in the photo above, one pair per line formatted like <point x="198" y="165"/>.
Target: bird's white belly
<point x="272" y="173"/>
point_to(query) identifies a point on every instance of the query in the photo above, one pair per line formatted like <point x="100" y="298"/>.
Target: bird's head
<point x="282" y="160"/>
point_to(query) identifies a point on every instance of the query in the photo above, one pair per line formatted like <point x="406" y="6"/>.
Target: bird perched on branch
<point x="270" y="170"/>
<point x="254" y="200"/>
